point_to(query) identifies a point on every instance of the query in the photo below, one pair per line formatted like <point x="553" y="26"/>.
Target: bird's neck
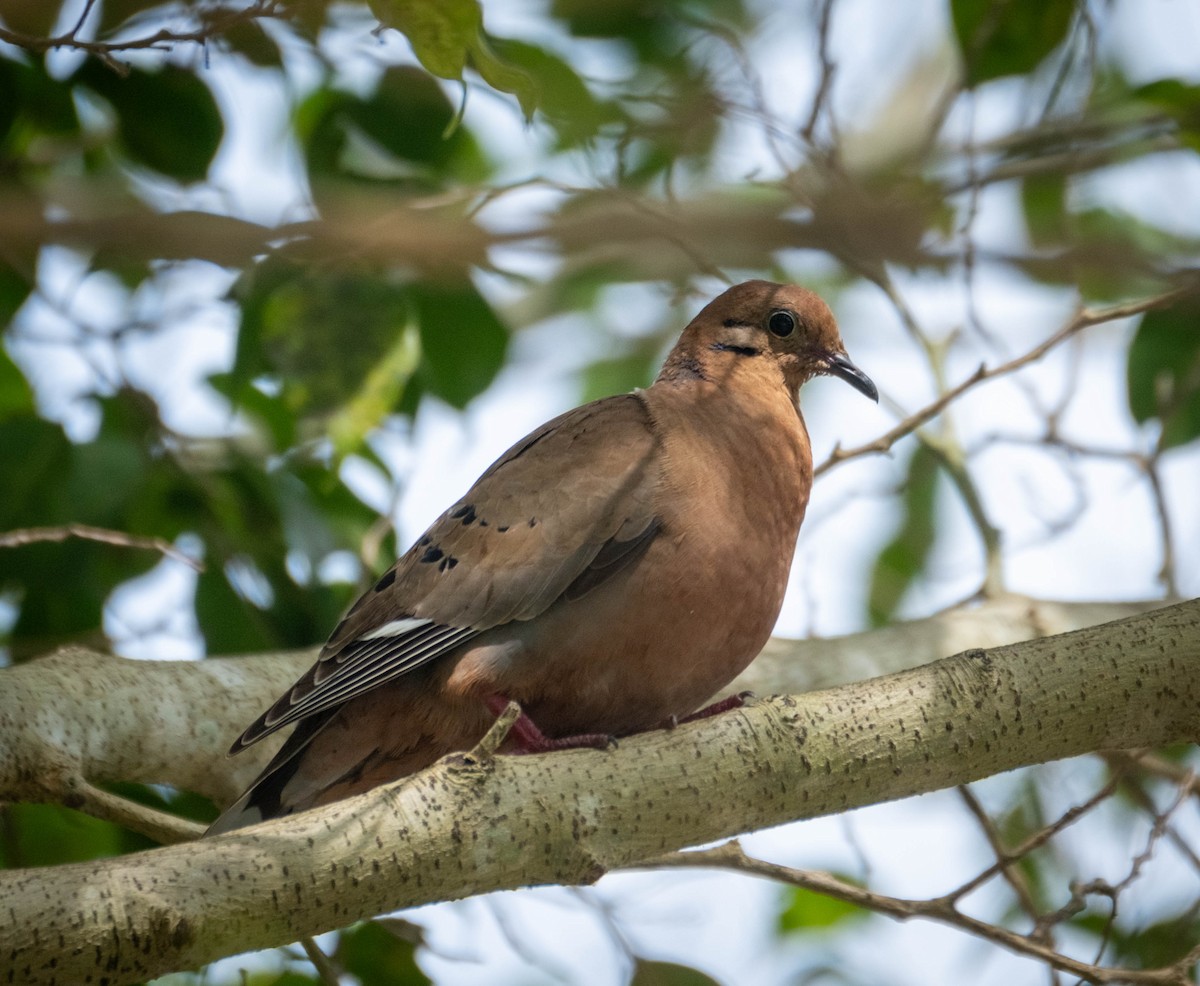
<point x="741" y="418"/>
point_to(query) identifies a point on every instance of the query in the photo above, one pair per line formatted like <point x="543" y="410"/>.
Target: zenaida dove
<point x="610" y="572"/>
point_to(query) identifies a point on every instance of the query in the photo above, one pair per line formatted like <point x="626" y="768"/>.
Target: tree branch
<point x="57" y="741"/>
<point x="474" y="823"/>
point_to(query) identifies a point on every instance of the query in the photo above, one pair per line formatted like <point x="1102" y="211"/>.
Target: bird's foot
<point x="530" y="739"/>
<point x="724" y="705"/>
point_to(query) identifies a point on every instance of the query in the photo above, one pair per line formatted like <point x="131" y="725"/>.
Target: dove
<point x="610" y="572"/>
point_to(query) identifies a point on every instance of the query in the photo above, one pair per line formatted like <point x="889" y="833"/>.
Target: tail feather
<point x="263" y="799"/>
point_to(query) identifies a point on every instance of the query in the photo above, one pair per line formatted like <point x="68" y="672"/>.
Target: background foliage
<point x="445" y="196"/>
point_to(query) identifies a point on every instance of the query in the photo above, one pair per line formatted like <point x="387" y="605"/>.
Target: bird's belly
<point x="634" y="651"/>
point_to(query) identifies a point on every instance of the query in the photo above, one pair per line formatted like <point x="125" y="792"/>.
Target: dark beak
<point x="839" y="365"/>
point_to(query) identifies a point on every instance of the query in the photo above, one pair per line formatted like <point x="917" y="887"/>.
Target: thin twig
<point x="215" y="25"/>
<point x="1082" y="319"/>
<point x="326" y="970"/>
<point x="730" y="856"/>
<point x="1011" y="875"/>
<point x="37" y="535"/>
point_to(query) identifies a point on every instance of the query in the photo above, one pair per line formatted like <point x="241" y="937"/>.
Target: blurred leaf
<point x="30" y="496"/>
<point x="650" y="973"/>
<point x="167" y="120"/>
<point x="504" y="76"/>
<point x="1008" y="37"/>
<point x="249" y="39"/>
<point x="10" y="108"/>
<point x="1179" y="99"/>
<point x="1044" y="202"/>
<point x="16" y="396"/>
<point x="48" y="835"/>
<point x="406" y="118"/>
<point x="43" y="103"/>
<point x="33" y="17"/>
<point x="114" y="13"/>
<point x="397" y="133"/>
<point x="1114" y="254"/>
<point x="378" y="395"/>
<point x="185" y="804"/>
<point x="562" y="96"/>
<point x="1163" y="373"/>
<point x="246" y="599"/>
<point x="620" y="374"/>
<point x="903" y="558"/>
<point x="287" y="978"/>
<point x="378" y="957"/>
<point x="446" y="35"/>
<point x="1150" y="947"/>
<point x="462" y="341"/>
<point x="321" y="335"/>
<point x="656" y="32"/>
<point x="441" y="32"/>
<point x="808" y="911"/>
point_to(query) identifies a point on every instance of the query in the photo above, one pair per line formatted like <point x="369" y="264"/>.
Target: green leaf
<point x="441" y="32"/>
<point x="114" y="13"/>
<point x="808" y="911"/>
<point x="397" y="133"/>
<point x="377" y="396"/>
<point x="447" y="35"/>
<point x="1180" y="100"/>
<point x="903" y="558"/>
<point x="248" y="39"/>
<point x="32" y="17"/>
<point x="185" y="804"/>
<point x="322" y="336"/>
<point x="1163" y="373"/>
<point x="620" y="374"/>
<point x="504" y="76"/>
<point x="29" y="496"/>
<point x="1008" y="37"/>
<point x="651" y="973"/>
<point x="16" y="396"/>
<point x="561" y="95"/>
<point x="42" y="102"/>
<point x="48" y="835"/>
<point x="1044" y="201"/>
<point x="167" y="120"/>
<point x="462" y="340"/>
<point x="378" y="957"/>
<point x="1146" y="947"/>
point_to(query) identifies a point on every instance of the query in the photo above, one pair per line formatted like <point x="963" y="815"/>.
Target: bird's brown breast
<point x="732" y="478"/>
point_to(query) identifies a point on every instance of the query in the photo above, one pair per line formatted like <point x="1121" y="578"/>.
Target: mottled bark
<point x="475" y="823"/>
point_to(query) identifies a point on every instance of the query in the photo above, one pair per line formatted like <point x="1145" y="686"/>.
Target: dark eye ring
<point x="781" y="323"/>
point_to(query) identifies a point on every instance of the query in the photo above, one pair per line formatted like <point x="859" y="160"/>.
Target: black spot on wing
<point x="466" y="513"/>
<point x="432" y="553"/>
<point x="388" y="578"/>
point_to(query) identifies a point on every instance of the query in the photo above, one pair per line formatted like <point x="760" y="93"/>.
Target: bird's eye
<point x="781" y="323"/>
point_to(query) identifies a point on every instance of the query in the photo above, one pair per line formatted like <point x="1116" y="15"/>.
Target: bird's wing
<point x="558" y="514"/>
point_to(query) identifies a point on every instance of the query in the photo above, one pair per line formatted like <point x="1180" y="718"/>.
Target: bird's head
<point x="782" y="325"/>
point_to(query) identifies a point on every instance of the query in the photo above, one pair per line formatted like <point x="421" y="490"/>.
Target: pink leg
<point x="530" y="739"/>
<point x="733" y="702"/>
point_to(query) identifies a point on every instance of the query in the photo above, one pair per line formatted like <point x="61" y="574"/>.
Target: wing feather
<point x="560" y="512"/>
